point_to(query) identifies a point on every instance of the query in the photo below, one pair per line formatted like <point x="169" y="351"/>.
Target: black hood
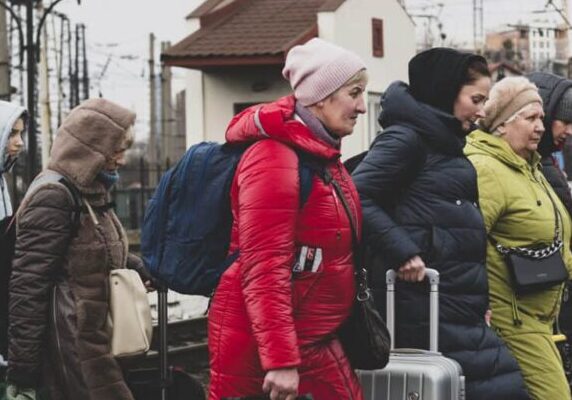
<point x="551" y="88"/>
<point x="439" y="129"/>
<point x="437" y="75"/>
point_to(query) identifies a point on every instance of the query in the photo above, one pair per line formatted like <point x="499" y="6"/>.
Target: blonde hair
<point x="359" y="77"/>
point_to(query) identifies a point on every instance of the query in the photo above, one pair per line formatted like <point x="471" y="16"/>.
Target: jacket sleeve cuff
<point x="395" y="250"/>
<point x="293" y="360"/>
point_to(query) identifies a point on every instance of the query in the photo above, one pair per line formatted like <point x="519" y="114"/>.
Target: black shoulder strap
<point x="360" y="273"/>
<point x="78" y="203"/>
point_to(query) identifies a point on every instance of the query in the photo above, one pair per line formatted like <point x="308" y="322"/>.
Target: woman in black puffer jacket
<point x="419" y="199"/>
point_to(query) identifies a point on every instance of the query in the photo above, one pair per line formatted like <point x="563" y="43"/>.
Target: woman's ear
<point x="501" y="129"/>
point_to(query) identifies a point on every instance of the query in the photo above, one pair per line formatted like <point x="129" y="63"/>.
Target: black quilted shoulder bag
<point x="533" y="269"/>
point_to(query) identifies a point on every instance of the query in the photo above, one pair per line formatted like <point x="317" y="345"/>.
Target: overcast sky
<point x="120" y="29"/>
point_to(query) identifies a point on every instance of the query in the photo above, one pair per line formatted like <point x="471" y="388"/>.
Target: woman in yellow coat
<point x="520" y="209"/>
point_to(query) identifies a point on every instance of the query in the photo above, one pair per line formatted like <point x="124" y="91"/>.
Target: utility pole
<point x="152" y="145"/>
<point x="166" y="107"/>
<point x="4" y="58"/>
<point x="478" y="30"/>
<point x="44" y="97"/>
<point x="31" y="95"/>
<point x="21" y="66"/>
<point x="76" y="68"/>
<point x="70" y="64"/>
<point x="85" y="78"/>
<point x="59" y="53"/>
<point x="30" y="88"/>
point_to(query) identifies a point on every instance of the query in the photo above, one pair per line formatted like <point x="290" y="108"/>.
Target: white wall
<point x="350" y="27"/>
<point x="194" y="107"/>
<point x="225" y="88"/>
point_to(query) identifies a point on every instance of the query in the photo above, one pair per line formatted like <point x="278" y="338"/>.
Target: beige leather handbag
<point x="130" y="315"/>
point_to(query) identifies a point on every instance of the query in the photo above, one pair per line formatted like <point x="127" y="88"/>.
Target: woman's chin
<point x="468" y="126"/>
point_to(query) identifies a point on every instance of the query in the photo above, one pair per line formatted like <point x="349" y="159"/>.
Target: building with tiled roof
<point x="236" y="50"/>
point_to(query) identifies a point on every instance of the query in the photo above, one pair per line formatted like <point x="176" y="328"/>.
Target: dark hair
<point x="476" y="70"/>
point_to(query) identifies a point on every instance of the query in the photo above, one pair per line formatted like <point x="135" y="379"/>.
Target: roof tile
<point x="256" y="28"/>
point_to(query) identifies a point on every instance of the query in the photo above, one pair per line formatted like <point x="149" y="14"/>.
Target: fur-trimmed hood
<point x="87" y="138"/>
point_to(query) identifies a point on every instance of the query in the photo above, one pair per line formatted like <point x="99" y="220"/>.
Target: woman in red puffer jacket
<point x="275" y="312"/>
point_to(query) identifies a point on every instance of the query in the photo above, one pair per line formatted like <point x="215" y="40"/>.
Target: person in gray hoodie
<point x="12" y="124"/>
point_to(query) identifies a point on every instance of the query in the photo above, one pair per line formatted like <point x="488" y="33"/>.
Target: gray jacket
<point x="9" y="114"/>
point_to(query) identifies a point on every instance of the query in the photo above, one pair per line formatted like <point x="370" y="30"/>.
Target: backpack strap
<point x="50" y="176"/>
<point x="308" y="167"/>
<point x="306" y="175"/>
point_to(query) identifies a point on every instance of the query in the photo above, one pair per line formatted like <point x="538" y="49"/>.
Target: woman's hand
<point x="149" y="286"/>
<point x="488" y="316"/>
<point x="135" y="263"/>
<point x="413" y="270"/>
<point x="281" y="384"/>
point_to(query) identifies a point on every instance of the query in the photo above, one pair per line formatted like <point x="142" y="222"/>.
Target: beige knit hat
<point x="506" y="98"/>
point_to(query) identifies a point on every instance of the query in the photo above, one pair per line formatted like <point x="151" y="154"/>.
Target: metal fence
<point x="130" y="205"/>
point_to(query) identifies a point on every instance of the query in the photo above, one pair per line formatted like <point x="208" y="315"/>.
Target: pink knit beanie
<point x="319" y="68"/>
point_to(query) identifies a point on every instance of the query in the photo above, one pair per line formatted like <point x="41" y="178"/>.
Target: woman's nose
<point x="540" y="126"/>
<point x="361" y="106"/>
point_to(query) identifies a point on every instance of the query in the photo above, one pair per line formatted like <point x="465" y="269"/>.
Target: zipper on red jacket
<point x="337" y="204"/>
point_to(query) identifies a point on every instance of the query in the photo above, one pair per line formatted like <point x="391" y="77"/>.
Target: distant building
<point x="536" y="46"/>
<point x="502" y="70"/>
<point x="236" y="50"/>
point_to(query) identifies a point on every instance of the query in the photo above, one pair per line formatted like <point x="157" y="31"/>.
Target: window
<point x="239" y="107"/>
<point x="377" y="37"/>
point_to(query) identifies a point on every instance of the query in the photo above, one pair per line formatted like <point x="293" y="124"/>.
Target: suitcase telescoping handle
<point x="433" y="277"/>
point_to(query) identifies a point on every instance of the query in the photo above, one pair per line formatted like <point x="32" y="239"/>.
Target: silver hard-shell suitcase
<point x="414" y="374"/>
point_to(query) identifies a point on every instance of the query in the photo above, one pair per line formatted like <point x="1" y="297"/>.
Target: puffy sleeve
<point x="268" y="200"/>
<point x="492" y="201"/>
<point x="393" y="160"/>
<point x="44" y="228"/>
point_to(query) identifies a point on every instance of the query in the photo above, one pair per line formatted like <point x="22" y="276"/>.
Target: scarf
<point x="316" y="126"/>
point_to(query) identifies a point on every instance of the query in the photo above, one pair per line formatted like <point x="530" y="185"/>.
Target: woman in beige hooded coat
<point x="59" y="286"/>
